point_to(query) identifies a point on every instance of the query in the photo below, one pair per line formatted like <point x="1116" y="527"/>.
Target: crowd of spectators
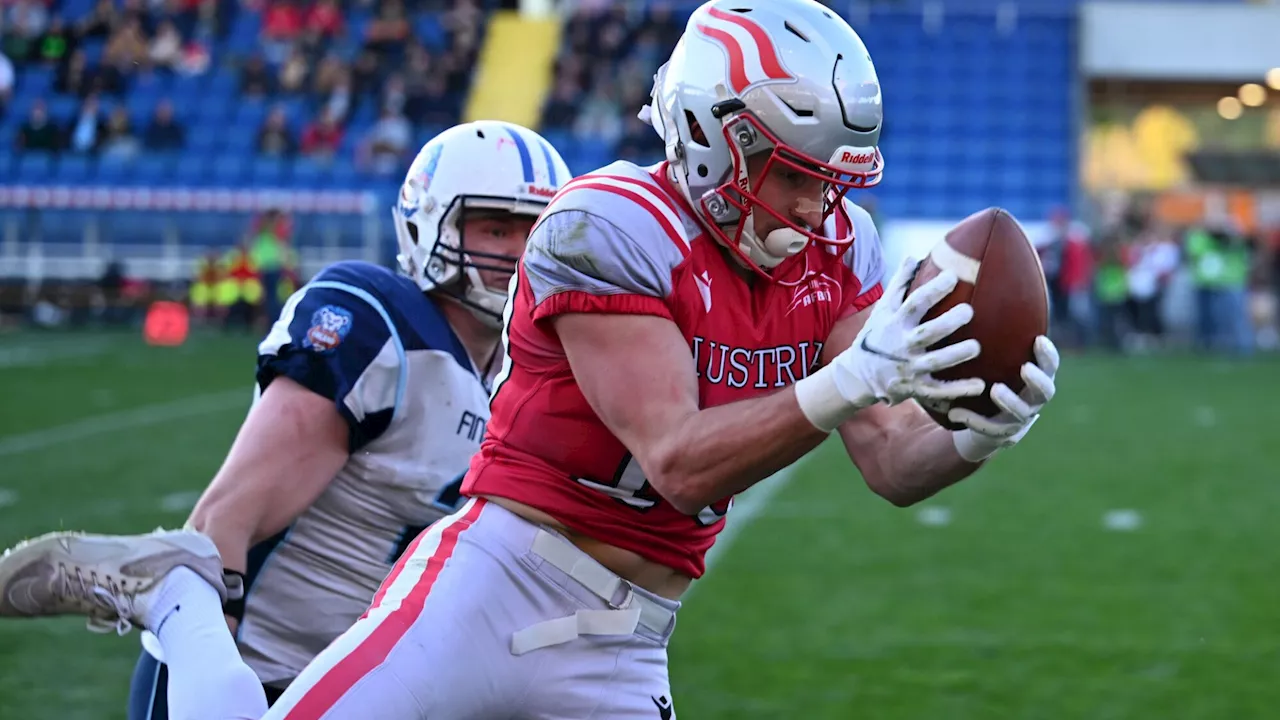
<point x="604" y="74"/>
<point x="329" y="57"/>
<point x="1136" y="284"/>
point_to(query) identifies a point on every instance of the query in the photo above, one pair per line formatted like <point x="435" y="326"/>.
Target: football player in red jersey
<point x="674" y="335"/>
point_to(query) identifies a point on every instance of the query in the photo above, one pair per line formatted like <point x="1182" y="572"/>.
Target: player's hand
<point x="983" y="436"/>
<point x="891" y="355"/>
<point x="890" y="360"/>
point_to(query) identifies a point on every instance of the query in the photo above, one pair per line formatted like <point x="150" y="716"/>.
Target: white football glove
<point x="889" y="361"/>
<point x="983" y="436"/>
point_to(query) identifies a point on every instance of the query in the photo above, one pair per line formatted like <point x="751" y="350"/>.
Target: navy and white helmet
<point x="485" y="164"/>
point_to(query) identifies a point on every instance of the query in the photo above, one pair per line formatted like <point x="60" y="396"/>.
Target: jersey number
<point x="632" y="488"/>
<point x="448" y="500"/>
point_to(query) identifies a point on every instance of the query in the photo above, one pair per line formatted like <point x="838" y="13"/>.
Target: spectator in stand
<point x="387" y="143"/>
<point x="38" y="133"/>
<point x="463" y="22"/>
<point x="1077" y="283"/>
<point x="274" y="137"/>
<point x="339" y="101"/>
<point x="118" y="138"/>
<point x="1051" y="248"/>
<point x="73" y="77"/>
<point x="366" y="74"/>
<point x="640" y="144"/>
<point x="600" y="117"/>
<point x="389" y="30"/>
<point x="127" y="48"/>
<point x="87" y="129"/>
<point x="255" y="78"/>
<point x="58" y="42"/>
<point x="98" y="23"/>
<point x="437" y="109"/>
<point x="331" y="81"/>
<point x="1111" y="290"/>
<point x="166" y="49"/>
<point x="1218" y="254"/>
<point x="294" y="71"/>
<point x="281" y="25"/>
<point x="322" y="137"/>
<point x="26" y="21"/>
<point x="561" y="108"/>
<point x="324" y="19"/>
<point x="6" y="83"/>
<point x="1152" y="260"/>
<point x="165" y="134"/>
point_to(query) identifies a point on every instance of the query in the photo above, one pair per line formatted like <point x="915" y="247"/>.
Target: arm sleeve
<point x="577" y="261"/>
<point x="338" y="342"/>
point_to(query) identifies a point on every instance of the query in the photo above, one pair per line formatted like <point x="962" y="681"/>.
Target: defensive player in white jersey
<point x="675" y="334"/>
<point x="373" y="397"/>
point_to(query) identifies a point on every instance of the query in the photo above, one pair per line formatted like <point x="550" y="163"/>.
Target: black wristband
<point x="234" y="605"/>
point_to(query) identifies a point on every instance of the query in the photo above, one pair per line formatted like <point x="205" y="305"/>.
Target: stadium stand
<point x="129" y="124"/>
<point x="978" y="97"/>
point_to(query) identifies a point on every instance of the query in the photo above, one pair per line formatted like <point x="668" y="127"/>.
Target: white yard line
<point x="34" y="355"/>
<point x="130" y="419"/>
<point x="180" y="502"/>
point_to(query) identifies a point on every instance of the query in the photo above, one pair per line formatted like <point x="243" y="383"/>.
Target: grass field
<point x="1122" y="563"/>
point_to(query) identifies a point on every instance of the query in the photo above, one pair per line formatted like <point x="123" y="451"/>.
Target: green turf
<point x="832" y="604"/>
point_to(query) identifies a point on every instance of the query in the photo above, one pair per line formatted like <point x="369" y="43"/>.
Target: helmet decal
<point x="752" y="57"/>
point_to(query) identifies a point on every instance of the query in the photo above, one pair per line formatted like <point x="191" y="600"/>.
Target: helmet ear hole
<point x="696" y="135"/>
<point x="413" y="231"/>
<point x="703" y="171"/>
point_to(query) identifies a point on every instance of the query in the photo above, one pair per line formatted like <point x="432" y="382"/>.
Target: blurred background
<point x="170" y="170"/>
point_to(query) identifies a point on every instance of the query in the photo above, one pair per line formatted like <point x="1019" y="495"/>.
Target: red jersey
<point x="623" y="241"/>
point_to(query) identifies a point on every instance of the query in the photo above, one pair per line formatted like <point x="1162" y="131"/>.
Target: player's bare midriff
<point x="656" y="578"/>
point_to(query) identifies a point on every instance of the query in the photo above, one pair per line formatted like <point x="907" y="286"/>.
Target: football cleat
<point x="109" y="579"/>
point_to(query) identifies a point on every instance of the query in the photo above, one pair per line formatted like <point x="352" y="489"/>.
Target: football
<point x="1001" y="277"/>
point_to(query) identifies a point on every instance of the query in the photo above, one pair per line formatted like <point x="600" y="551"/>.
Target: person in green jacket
<point x="1220" y="259"/>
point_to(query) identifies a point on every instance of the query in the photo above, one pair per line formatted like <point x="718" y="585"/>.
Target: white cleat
<point x="107" y="578"/>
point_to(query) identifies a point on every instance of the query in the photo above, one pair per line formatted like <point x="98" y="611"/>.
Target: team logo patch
<point x="329" y="326"/>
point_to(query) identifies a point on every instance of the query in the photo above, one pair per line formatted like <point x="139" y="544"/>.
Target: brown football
<point x="1001" y="277"/>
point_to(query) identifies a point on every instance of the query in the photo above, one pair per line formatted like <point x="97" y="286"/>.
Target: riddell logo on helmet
<point x="541" y="191"/>
<point x="856" y="159"/>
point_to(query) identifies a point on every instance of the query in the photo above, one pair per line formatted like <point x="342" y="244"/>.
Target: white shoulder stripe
<point x="649" y="199"/>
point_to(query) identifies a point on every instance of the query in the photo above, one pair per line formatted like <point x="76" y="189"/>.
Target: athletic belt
<point x="620" y="619"/>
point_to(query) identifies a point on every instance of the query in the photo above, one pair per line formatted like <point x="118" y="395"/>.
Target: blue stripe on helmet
<point x="526" y="159"/>
<point x="549" y="154"/>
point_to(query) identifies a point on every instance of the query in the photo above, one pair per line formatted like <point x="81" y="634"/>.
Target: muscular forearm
<point x="724" y="450"/>
<point x="230" y="534"/>
<point x="909" y="460"/>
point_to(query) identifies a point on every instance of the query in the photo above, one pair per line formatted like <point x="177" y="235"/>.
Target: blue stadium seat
<point x="74" y="169"/>
<point x="154" y="169"/>
<point x="228" y="170"/>
<point x="35" y="167"/>
<point x="192" y="170"/>
<point x="113" y="169"/>
<point x="310" y="174"/>
<point x="269" y="171"/>
<point x="201" y="139"/>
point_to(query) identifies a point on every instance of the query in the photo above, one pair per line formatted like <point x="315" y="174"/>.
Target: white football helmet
<point x="787" y="77"/>
<point x="485" y="164"/>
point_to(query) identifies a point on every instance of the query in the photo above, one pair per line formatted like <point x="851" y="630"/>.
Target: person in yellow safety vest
<point x="240" y="290"/>
<point x="273" y="258"/>
<point x="204" y="286"/>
